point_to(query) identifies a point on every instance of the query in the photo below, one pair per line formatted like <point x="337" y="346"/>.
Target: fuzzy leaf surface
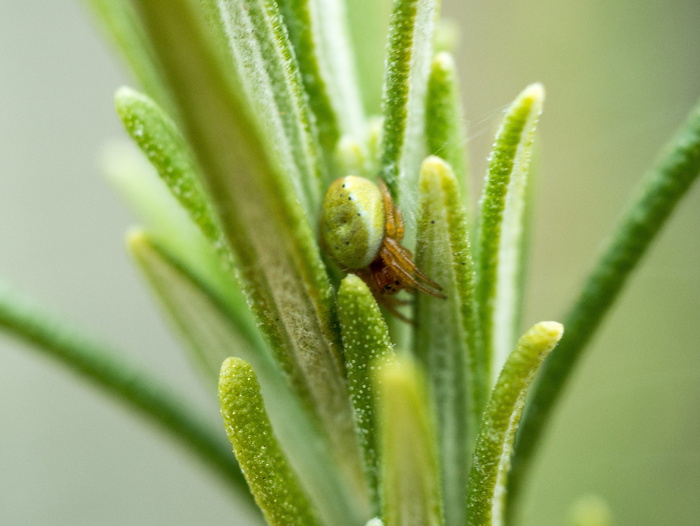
<point x="409" y="51"/>
<point x="368" y="348"/>
<point x="207" y="325"/>
<point x="268" y="72"/>
<point x="272" y="481"/>
<point x="494" y="446"/>
<point x="445" y="335"/>
<point x="444" y="119"/>
<point x="500" y="233"/>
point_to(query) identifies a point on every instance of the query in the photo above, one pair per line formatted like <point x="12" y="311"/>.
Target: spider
<point x="362" y="229"/>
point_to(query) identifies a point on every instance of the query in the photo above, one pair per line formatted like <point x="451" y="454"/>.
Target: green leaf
<point x="161" y="142"/>
<point x="208" y="325"/>
<point x="276" y="253"/>
<point x="500" y="234"/>
<point x="445" y="335"/>
<point x="675" y="171"/>
<point x="367" y="348"/>
<point x="119" y="21"/>
<point x="131" y="387"/>
<point x="153" y="203"/>
<point x="319" y="37"/>
<point x="489" y="472"/>
<point x="411" y="478"/>
<point x="403" y="102"/>
<point x="268" y="72"/>
<point x="261" y="458"/>
<point x="444" y="120"/>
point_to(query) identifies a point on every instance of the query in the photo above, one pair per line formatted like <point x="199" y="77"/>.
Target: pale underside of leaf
<point x="269" y="74"/>
<point x="207" y="325"/>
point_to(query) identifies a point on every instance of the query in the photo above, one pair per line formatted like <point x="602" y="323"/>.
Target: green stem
<point x="131" y="387"/>
<point x="675" y="172"/>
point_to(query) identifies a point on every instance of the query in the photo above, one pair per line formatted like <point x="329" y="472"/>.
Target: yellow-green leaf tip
<point x="136" y="237"/>
<point x="534" y="92"/>
<point x="436" y="167"/>
<point x="444" y="61"/>
<point x="546" y="333"/>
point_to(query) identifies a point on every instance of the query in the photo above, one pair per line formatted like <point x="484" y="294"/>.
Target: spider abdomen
<point x="353" y="221"/>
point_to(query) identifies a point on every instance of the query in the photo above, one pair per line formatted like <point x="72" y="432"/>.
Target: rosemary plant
<point x="338" y="412"/>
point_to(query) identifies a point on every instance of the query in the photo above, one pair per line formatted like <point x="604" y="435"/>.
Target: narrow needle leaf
<point x="411" y="478"/>
<point x="403" y="102"/>
<point x="273" y="241"/>
<point x="489" y="473"/>
<point x="338" y="61"/>
<point x="500" y="234"/>
<point x="133" y="388"/>
<point x="334" y="101"/>
<point x="445" y="340"/>
<point x="161" y="142"/>
<point x="367" y="348"/>
<point x="269" y="73"/>
<point x="274" y="485"/>
<point x="444" y="119"/>
<point x="368" y="20"/>
<point x="676" y="170"/>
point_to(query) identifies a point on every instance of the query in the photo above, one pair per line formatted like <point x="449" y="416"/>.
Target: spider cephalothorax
<point x="362" y="229"/>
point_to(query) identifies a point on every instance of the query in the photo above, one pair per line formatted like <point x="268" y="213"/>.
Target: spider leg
<point x="401" y="261"/>
<point x="390" y="303"/>
<point x="394" y="219"/>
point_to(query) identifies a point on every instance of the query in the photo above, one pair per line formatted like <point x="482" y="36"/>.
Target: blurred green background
<point x="620" y="77"/>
